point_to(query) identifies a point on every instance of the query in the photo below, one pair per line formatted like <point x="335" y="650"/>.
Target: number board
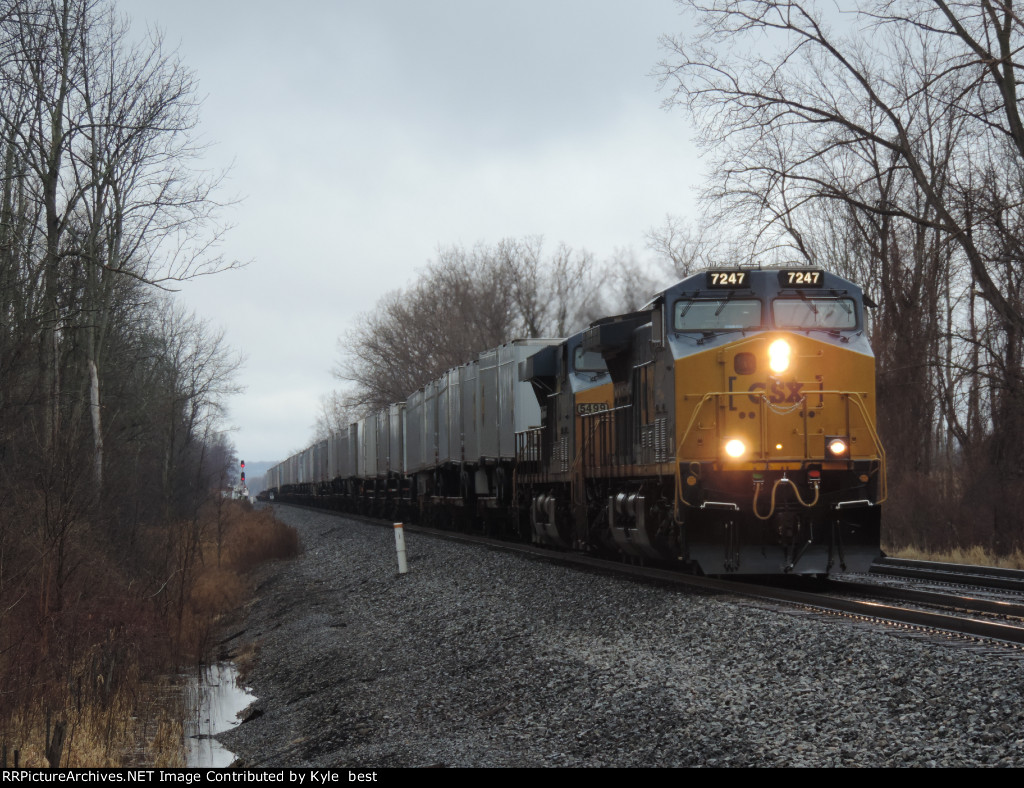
<point x="726" y="279"/>
<point x="801" y="277"/>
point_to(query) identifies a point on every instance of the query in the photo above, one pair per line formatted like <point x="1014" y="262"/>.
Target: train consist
<point x="727" y="428"/>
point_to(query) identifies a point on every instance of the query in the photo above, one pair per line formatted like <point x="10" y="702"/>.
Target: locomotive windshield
<point x="723" y="314"/>
<point x="829" y="313"/>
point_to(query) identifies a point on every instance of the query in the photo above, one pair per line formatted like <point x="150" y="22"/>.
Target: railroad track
<point x="964" y="602"/>
<point x="951" y="617"/>
<point x="954" y="574"/>
<point x="961" y="615"/>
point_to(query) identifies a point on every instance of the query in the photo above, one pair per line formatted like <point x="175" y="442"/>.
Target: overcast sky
<point x="366" y="133"/>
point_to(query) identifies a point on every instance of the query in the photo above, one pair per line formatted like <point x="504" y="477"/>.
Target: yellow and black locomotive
<point x="727" y="427"/>
<point x="731" y="427"/>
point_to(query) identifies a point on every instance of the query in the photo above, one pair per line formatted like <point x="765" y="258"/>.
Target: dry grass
<point x="141" y="725"/>
<point x="220" y="585"/>
<point x="256" y="537"/>
<point x="978" y="556"/>
<point x="128" y="715"/>
<point x="245" y="659"/>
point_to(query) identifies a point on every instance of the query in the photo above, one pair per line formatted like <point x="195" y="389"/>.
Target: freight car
<point x="727" y="428"/>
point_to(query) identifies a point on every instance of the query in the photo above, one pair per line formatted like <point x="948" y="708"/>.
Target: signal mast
<point x="242" y="491"/>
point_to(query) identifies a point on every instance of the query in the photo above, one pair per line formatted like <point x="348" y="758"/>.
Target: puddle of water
<point x="213" y="699"/>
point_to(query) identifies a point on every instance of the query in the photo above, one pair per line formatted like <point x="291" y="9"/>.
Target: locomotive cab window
<point x="584" y="361"/>
<point x="817" y="312"/>
<point x="720" y="314"/>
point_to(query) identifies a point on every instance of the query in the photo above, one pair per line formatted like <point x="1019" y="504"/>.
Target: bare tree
<point x="104" y="131"/>
<point x="194" y="371"/>
<point x="459" y="306"/>
<point x="883" y="135"/>
<point x="102" y="201"/>
<point x="139" y="199"/>
<point x="465" y="301"/>
<point x="550" y="295"/>
<point x="334" y="415"/>
<point x="629" y="282"/>
<point x="683" y="249"/>
<point x="789" y="115"/>
<point x="571" y="291"/>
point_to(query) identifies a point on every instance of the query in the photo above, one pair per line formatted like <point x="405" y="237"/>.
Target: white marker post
<point x="400" y="548"/>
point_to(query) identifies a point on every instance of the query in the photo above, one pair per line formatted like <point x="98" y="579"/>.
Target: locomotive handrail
<point x="855" y="396"/>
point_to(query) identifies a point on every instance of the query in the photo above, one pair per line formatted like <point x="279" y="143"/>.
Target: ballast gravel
<point x="480" y="658"/>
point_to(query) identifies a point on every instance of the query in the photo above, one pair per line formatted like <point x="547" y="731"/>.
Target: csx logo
<point x="777" y="391"/>
<point x="584" y="408"/>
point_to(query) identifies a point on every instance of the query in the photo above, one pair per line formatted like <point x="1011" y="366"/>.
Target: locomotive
<point x="727" y="428"/>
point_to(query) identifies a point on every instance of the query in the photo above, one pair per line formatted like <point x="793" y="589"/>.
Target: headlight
<point x="836" y="447"/>
<point x="735" y="448"/>
<point x="778" y="355"/>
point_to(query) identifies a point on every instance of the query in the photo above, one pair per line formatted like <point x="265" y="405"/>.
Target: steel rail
<point x="962" y="574"/>
<point x="958" y="625"/>
<point x="940" y="622"/>
<point x="971" y="604"/>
